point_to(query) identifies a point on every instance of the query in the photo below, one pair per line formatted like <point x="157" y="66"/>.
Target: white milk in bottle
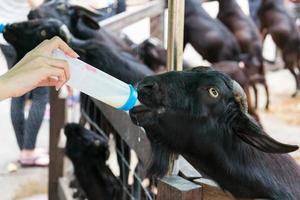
<point x="98" y="84"/>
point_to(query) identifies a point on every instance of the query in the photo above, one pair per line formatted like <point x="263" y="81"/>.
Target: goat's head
<point x="83" y="143"/>
<point x="62" y="10"/>
<point x="51" y="9"/>
<point x="85" y="27"/>
<point x="197" y="110"/>
<point x="24" y="36"/>
<point x="81" y="21"/>
<point x="153" y="54"/>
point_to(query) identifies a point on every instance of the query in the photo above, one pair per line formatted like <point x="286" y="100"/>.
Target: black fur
<point x="88" y="152"/>
<point x="24" y="36"/>
<point x="214" y="134"/>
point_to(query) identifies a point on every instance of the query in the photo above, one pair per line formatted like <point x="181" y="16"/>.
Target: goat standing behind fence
<point x="202" y="114"/>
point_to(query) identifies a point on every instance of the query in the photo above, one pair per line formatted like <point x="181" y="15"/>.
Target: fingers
<point x="57" y="42"/>
<point x="59" y="85"/>
<point x="48" y="82"/>
<point x="55" y="72"/>
<point x="60" y="64"/>
<point x="53" y="76"/>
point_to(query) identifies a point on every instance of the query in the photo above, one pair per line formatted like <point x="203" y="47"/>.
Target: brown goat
<point x="276" y="21"/>
<point x="249" y="39"/>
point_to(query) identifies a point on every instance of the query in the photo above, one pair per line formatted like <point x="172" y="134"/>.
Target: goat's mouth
<point x="139" y="114"/>
<point x="143" y="115"/>
<point x="9" y="34"/>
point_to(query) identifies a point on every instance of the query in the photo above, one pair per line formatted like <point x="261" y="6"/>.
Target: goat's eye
<point x="213" y="92"/>
<point x="43" y="33"/>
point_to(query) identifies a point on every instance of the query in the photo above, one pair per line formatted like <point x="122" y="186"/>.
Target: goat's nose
<point x="148" y="87"/>
<point x="11" y="27"/>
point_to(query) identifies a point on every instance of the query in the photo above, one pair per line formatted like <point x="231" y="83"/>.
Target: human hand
<point x="37" y="69"/>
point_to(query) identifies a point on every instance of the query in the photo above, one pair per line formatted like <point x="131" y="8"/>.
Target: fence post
<point x="57" y="120"/>
<point x="175" y="34"/>
<point x="175" y="187"/>
<point x="211" y="191"/>
<point x="157" y="26"/>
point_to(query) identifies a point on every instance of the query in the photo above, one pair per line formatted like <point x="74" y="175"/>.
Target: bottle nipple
<point x="2" y="27"/>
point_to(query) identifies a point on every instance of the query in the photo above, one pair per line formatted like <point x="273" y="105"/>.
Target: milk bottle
<point x="98" y="84"/>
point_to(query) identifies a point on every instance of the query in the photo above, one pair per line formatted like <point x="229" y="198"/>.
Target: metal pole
<point x="175" y="34"/>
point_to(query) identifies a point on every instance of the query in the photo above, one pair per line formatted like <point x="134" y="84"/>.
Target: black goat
<point x="202" y="114"/>
<point x="276" y="21"/>
<point x="62" y="10"/>
<point x="25" y="36"/>
<point x="88" y="152"/>
<point x="250" y="41"/>
<point x="153" y="54"/>
<point x="82" y="23"/>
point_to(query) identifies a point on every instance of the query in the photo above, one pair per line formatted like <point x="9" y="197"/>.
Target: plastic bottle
<point x="98" y="84"/>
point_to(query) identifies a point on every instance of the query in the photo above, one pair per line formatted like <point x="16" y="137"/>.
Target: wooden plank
<point x="175" y="187"/>
<point x="57" y="120"/>
<point x="175" y="34"/>
<point x="64" y="191"/>
<point x="120" y="21"/>
<point x="211" y="191"/>
<point x="133" y="135"/>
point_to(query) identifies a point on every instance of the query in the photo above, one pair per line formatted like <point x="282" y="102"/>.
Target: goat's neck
<point x="193" y="7"/>
<point x="237" y="162"/>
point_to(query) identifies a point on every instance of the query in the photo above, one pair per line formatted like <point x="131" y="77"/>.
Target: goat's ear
<point x="79" y="46"/>
<point x="154" y="53"/>
<point x="72" y="128"/>
<point x="90" y="22"/>
<point x="79" y="9"/>
<point x="251" y="133"/>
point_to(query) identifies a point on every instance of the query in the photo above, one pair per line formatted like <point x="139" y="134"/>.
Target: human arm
<point x="37" y="69"/>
